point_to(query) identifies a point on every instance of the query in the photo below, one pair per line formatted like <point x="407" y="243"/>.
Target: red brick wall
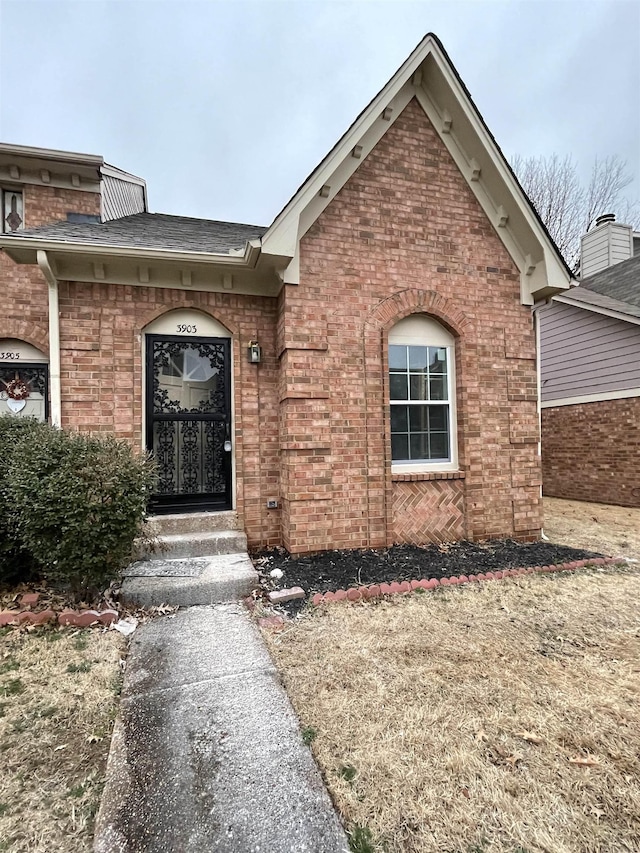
<point x="101" y="329"/>
<point x="591" y="452"/>
<point x="311" y="421"/>
<point x="405" y="235"/>
<point x="25" y="313"/>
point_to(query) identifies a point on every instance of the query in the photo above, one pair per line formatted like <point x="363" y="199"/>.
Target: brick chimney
<point x="608" y="243"/>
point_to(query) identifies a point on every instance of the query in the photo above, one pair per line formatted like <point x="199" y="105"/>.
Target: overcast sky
<point x="225" y="106"/>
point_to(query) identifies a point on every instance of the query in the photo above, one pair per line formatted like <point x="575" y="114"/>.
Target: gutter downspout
<point x="536" y="325"/>
<point x="54" y="338"/>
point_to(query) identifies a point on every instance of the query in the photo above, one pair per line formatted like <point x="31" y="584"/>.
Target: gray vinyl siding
<point x="120" y="198"/>
<point x="582" y="352"/>
<point x="605" y="246"/>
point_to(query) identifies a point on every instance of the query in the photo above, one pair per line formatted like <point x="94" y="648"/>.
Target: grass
<point x="495" y="718"/>
<point x="55" y="724"/>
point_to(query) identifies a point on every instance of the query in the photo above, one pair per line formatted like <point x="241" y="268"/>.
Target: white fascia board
<point x="542" y="272"/>
<point x="596" y="309"/>
<point x="344" y="170"/>
<point x="23" y="245"/>
<point x="591" y="398"/>
<point x="468" y="140"/>
<point x="282" y="236"/>
<point x="67" y="157"/>
<point x="121" y="175"/>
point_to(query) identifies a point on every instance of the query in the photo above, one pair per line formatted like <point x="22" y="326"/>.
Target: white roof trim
<point x="20" y="246"/>
<point x="591" y="398"/>
<point x="71" y="157"/>
<point x="597" y="309"/>
<point x="429" y="76"/>
<point x="114" y="172"/>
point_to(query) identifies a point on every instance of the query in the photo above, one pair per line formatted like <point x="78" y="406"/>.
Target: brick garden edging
<point x="404" y="587"/>
<point x="72" y="618"/>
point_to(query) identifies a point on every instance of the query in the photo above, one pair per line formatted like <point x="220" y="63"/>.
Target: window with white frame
<point x="422" y="395"/>
<point x="12" y="210"/>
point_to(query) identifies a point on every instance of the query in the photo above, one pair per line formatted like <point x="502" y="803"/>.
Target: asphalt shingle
<point x="620" y="282"/>
<point x="584" y="295"/>
<point x="153" y="231"/>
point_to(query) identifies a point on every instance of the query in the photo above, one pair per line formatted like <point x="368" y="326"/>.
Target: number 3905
<point x="187" y="329"/>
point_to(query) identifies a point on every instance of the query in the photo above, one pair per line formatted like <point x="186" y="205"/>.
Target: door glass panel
<point x="188" y="378"/>
<point x="189" y="421"/>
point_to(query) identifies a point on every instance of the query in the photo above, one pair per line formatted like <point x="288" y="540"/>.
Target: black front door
<point x="188" y="422"/>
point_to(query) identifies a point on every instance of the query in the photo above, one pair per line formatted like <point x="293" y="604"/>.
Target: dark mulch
<point x="332" y="570"/>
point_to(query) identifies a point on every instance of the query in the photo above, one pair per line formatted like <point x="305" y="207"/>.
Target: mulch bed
<point x="333" y="570"/>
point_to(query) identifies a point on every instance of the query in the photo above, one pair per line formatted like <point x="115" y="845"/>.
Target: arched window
<point x="422" y="395"/>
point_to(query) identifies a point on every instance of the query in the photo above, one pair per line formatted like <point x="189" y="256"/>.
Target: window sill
<point x="417" y="476"/>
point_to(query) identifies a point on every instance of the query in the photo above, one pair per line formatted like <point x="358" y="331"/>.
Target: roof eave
<point x="23" y="250"/>
<point x="553" y="274"/>
<point x="567" y="299"/>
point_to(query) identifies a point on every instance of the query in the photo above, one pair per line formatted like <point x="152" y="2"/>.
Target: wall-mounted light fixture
<point x="254" y="352"/>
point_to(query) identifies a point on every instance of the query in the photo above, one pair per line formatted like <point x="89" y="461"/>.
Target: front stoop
<point x="197" y="558"/>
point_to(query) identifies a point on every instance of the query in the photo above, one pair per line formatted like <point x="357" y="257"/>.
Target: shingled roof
<point x="620" y="282"/>
<point x="152" y="231"/>
<point x="586" y="298"/>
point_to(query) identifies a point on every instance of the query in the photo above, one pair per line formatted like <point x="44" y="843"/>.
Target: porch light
<point x="254" y="352"/>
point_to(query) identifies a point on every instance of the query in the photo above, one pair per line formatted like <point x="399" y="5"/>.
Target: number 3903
<point x="186" y="329"/>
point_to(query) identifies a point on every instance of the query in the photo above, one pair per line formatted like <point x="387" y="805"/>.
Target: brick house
<point x="590" y="371"/>
<point x="361" y="372"/>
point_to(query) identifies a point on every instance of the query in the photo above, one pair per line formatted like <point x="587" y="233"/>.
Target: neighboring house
<point x="590" y="374"/>
<point x="361" y="372"/>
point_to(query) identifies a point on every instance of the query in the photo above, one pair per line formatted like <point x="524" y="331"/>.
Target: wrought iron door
<point x="188" y="422"/>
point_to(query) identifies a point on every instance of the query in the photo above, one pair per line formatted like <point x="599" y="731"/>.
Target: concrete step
<point x="193" y="545"/>
<point x="189" y="581"/>
<point x="192" y="522"/>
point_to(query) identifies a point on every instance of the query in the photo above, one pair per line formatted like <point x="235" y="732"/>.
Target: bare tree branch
<point x="569" y="208"/>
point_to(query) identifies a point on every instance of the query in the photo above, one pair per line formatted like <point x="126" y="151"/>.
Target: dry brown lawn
<point x="58" y="695"/>
<point x="501" y="717"/>
<point x="611" y="530"/>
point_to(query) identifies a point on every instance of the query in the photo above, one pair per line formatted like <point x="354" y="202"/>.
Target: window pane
<point x="418" y="418"/>
<point x="398" y="386"/>
<point x="438" y="388"/>
<point x="438" y="418"/>
<point x="437" y="360"/>
<point x="439" y="445"/>
<point x="418" y="382"/>
<point x="399" y="419"/>
<point x="418" y="358"/>
<point x="397" y="357"/>
<point x="400" y="446"/>
<point x="419" y="444"/>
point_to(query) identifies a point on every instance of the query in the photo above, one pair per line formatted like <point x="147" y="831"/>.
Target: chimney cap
<point x="606" y="217"/>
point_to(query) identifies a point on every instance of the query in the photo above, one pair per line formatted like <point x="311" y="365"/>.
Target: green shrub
<point x="76" y="502"/>
<point x="16" y="563"/>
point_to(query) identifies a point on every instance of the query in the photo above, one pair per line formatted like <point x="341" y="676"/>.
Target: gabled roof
<point x="151" y="231"/>
<point x="429" y="76"/>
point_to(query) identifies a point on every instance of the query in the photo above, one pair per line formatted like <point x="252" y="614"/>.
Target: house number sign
<point x="13" y="350"/>
<point x="186" y="322"/>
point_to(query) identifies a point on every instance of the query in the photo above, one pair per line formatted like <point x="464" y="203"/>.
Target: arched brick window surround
<point x="375" y="348"/>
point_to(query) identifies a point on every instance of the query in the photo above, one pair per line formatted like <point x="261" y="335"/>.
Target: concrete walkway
<point x="207" y="753"/>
